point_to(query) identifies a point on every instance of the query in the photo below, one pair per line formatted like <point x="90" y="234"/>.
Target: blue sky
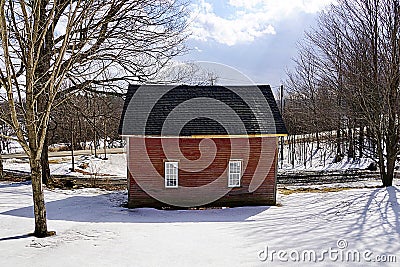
<point x="257" y="37"/>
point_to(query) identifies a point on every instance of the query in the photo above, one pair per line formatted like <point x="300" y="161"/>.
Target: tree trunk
<point x="105" y="142"/>
<point x="386" y="171"/>
<point x="1" y="168"/>
<point x="312" y="150"/>
<point x="95" y="144"/>
<point x="1" y="163"/>
<point x="361" y="141"/>
<point x="72" y="147"/>
<point x="38" y="200"/>
<point x="338" y="156"/>
<point x="387" y="179"/>
<point x="371" y="143"/>
<point x="351" y="153"/>
<point x="46" y="178"/>
<point x="293" y="150"/>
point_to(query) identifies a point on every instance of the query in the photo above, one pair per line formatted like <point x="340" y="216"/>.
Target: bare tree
<point x="358" y="46"/>
<point x="51" y="49"/>
<point x="191" y="73"/>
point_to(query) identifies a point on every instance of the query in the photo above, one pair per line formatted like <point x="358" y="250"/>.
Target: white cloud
<point x="252" y="18"/>
<point x="309" y="6"/>
<point x="245" y="3"/>
<point x="245" y="27"/>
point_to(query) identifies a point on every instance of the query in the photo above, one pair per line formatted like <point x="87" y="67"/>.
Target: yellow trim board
<point x="210" y="136"/>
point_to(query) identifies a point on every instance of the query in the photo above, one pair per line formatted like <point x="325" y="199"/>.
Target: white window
<point x="171" y="174"/>
<point x="235" y="173"/>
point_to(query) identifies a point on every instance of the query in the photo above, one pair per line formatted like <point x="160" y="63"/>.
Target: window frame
<point x="171" y="176"/>
<point x="230" y="173"/>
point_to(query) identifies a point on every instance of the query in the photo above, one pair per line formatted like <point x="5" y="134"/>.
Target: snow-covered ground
<point x="93" y="230"/>
<point x="319" y="158"/>
<point x="86" y="166"/>
<point x="317" y="164"/>
<point x="322" y="160"/>
<point x="12" y="146"/>
<point x="115" y="165"/>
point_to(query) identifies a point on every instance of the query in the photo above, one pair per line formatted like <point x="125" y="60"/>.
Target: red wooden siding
<point x="202" y="162"/>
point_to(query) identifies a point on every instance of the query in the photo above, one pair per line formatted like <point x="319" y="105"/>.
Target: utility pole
<point x="95" y="134"/>
<point x="1" y="163"/>
<point x="282" y="138"/>
<point x="72" y="146"/>
<point x="105" y="139"/>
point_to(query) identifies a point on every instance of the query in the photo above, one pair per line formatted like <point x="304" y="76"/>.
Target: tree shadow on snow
<point x="15" y="237"/>
<point x="371" y="215"/>
<point x="384" y="202"/>
<point x="13" y="184"/>
<point x="104" y="208"/>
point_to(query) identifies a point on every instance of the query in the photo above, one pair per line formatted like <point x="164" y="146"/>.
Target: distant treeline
<point x="84" y="118"/>
<point x="347" y="79"/>
<point x="80" y="119"/>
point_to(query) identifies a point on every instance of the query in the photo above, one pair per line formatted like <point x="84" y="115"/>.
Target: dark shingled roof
<point x="169" y="110"/>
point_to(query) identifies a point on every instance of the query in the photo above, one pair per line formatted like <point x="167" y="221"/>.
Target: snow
<point x="321" y="157"/>
<point x="316" y="164"/>
<point x="90" y="145"/>
<point x="115" y="165"/>
<point x="11" y="146"/>
<point x="94" y="230"/>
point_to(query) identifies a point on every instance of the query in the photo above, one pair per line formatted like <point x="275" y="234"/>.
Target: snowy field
<point x="115" y="165"/>
<point x="93" y="230"/>
<point x="87" y="166"/>
<point x="322" y="160"/>
<point x="316" y="164"/>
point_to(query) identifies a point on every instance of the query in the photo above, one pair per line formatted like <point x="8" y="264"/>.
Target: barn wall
<point x="201" y="162"/>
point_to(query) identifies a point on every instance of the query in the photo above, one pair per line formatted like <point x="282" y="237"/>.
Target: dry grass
<point x="91" y="173"/>
<point x="58" y="160"/>
<point x="59" y="148"/>
<point x="287" y="191"/>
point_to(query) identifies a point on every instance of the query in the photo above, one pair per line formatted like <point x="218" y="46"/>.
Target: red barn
<point x="192" y="146"/>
